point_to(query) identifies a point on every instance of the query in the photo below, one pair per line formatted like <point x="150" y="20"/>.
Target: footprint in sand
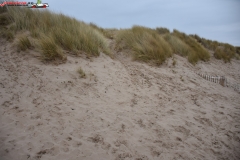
<point x="76" y="144"/>
<point x="52" y="151"/>
<point x="118" y="143"/>
<point x="140" y="123"/>
<point x="98" y="139"/>
<point x="182" y="130"/>
<point x="143" y="157"/>
<point x="216" y="144"/>
<point x="6" y="104"/>
<point x="204" y="121"/>
<point x="122" y="156"/>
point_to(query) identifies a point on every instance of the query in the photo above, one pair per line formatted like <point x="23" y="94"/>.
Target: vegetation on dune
<point x="145" y="44"/>
<point x="225" y="52"/>
<point x="5" y="20"/>
<point x="222" y="51"/>
<point x="197" y="51"/>
<point x="109" y="33"/>
<point x="65" y="33"/>
<point x="237" y="53"/>
<point x="24" y="43"/>
<point x="8" y="34"/>
<point x="238" y="50"/>
<point x="54" y="34"/>
<point x="178" y="46"/>
<point x="82" y="74"/>
<point x="50" y="50"/>
<point x="219" y="53"/>
<point x="211" y="45"/>
<point x="162" y="30"/>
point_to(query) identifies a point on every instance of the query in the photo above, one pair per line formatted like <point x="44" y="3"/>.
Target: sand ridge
<point x="122" y="110"/>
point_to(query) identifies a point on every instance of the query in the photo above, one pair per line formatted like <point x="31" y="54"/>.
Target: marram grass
<point x="144" y="44"/>
<point x="65" y="32"/>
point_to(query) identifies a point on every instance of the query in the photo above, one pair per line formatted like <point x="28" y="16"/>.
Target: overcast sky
<point x="213" y="19"/>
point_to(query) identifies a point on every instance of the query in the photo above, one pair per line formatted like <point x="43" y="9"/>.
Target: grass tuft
<point x="81" y="73"/>
<point x="226" y="53"/>
<point x="5" y="19"/>
<point x="145" y="44"/>
<point x="162" y="30"/>
<point x="197" y="51"/>
<point x="8" y="34"/>
<point x="109" y="33"/>
<point x="3" y="9"/>
<point x="237" y="50"/>
<point x="50" y="50"/>
<point x="24" y="43"/>
<point x="174" y="62"/>
<point x="177" y="45"/>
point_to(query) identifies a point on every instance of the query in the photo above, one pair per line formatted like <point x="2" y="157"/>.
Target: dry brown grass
<point x="197" y="51"/>
<point x="145" y="44"/>
<point x="177" y="45"/>
<point x="222" y="51"/>
<point x="51" y="51"/>
<point x="108" y="33"/>
<point x="226" y="52"/>
<point x="81" y="73"/>
<point x="65" y="32"/>
<point x="24" y="43"/>
<point x="162" y="30"/>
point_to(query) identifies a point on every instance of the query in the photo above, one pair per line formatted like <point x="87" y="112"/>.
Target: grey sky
<point x="213" y="19"/>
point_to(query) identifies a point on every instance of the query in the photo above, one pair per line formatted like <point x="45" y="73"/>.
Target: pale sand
<point x="122" y="110"/>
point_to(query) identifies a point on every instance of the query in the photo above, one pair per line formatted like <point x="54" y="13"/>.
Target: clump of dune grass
<point x="178" y="46"/>
<point x="35" y="33"/>
<point x="162" y="30"/>
<point x="51" y="51"/>
<point x="197" y="51"/>
<point x="7" y="34"/>
<point x="222" y="51"/>
<point x="109" y="33"/>
<point x="219" y="53"/>
<point x="237" y="53"/>
<point x="226" y="52"/>
<point x="144" y="44"/>
<point x="23" y="43"/>
<point x="209" y="44"/>
<point x="5" y="20"/>
<point x="237" y="50"/>
<point x="81" y="73"/>
<point x="237" y="56"/>
<point x="230" y="50"/>
<point x="65" y="32"/>
<point x="174" y="62"/>
<point x="3" y="9"/>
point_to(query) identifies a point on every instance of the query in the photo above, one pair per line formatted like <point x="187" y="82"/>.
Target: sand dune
<point x="122" y="110"/>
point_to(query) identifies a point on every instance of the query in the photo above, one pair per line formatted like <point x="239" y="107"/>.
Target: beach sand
<point x="121" y="110"/>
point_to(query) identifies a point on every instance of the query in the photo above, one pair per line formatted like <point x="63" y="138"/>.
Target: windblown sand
<point x="122" y="110"/>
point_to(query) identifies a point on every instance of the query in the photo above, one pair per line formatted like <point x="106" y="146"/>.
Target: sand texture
<point x="122" y="110"/>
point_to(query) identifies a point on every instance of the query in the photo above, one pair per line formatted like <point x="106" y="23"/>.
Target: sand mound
<point x="122" y="110"/>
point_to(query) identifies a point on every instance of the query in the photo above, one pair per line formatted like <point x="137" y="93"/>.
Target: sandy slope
<point x="122" y="110"/>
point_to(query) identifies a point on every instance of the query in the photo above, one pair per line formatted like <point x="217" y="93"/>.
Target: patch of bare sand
<point x="122" y="110"/>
